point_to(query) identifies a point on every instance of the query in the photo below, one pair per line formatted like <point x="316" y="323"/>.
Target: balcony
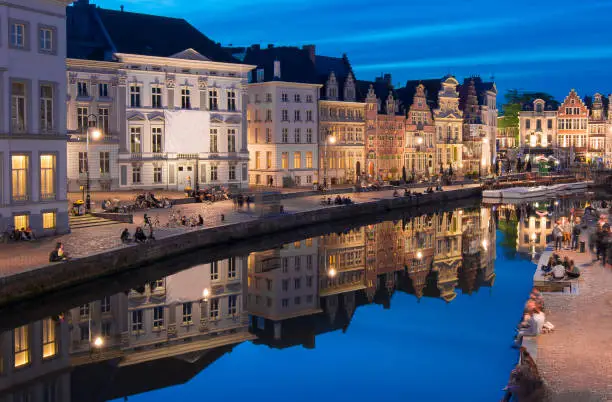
<point x="47" y="196"/>
<point x="143" y="156"/>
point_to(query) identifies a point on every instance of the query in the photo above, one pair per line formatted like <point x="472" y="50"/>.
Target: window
<point x="284" y="115"/>
<point x="297" y="160"/>
<point x="49" y="220"/>
<point x="158" y="318"/>
<point x="285" y="267"/>
<point x="136" y="179"/>
<point x="157" y="175"/>
<point x="309" y="115"/>
<point x="47" y="177"/>
<point x="84" y="311"/>
<point x="296" y="115"/>
<point x="213" y="100"/>
<point x="309" y="261"/>
<point x="231" y="140"/>
<point x="232" y="172"/>
<point x="309" y="135"/>
<point x="187" y="317"/>
<point x="103" y="90"/>
<point x="268" y="97"/>
<point x="214" y="309"/>
<point x="137" y="325"/>
<point x="213" y="173"/>
<point x="268" y="115"/>
<point x="309" y="281"/>
<point x="231" y="100"/>
<point x="49" y="341"/>
<point x="527" y="124"/>
<point x="257" y="161"/>
<point x="297" y="283"/>
<point x="285" y="285"/>
<point x="297" y="300"/>
<point x="82" y="162"/>
<point x="82" y="88"/>
<point x="156" y="139"/>
<point x="156" y="97"/>
<point x="539" y="124"/>
<point x="135" y="140"/>
<point x="308" y="160"/>
<point x="268" y="160"/>
<point x="134" y="95"/>
<point x="268" y="135"/>
<point x="214" y="143"/>
<point x="82" y="119"/>
<point x="297" y="260"/>
<point x="22" y="346"/>
<point x="269" y="284"/>
<point x="46" y="39"/>
<point x="285" y="135"/>
<point x="231" y="268"/>
<point x="285" y="303"/>
<point x="285" y="160"/>
<point x="19" y="176"/>
<point x="309" y="299"/>
<point x="84" y="333"/>
<point x="214" y="271"/>
<point x="18" y="106"/>
<point x="46" y="107"/>
<point x="284" y="97"/>
<point x="105" y="304"/>
<point x="296" y="98"/>
<point x="297" y="136"/>
<point x="231" y="304"/>
<point x="185" y="98"/>
<point x="103" y="120"/>
<point x="18" y="33"/>
<point x="309" y="98"/>
<point x="105" y="330"/>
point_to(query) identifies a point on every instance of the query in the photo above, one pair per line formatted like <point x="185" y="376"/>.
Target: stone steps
<point x="88" y="221"/>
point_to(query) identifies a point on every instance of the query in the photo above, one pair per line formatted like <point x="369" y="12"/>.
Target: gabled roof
<point x="295" y="64"/>
<point x="340" y="66"/>
<point x="382" y="87"/>
<point x="432" y="87"/>
<point x="96" y="33"/>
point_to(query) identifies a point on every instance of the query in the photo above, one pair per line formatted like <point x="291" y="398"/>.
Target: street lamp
<point x="332" y="140"/>
<point x="98" y="342"/>
<point x="95" y="134"/>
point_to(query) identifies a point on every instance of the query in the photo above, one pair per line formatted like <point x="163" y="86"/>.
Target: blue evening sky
<point x="544" y="45"/>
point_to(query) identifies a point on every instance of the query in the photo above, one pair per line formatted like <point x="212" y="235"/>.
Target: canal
<point x="417" y="308"/>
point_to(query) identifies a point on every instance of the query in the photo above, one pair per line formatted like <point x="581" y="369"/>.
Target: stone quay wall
<point x="57" y="276"/>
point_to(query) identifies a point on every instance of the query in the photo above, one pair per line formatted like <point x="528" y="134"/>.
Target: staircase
<point x="88" y="221"/>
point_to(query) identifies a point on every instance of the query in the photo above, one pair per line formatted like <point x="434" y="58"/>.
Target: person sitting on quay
<point x="395" y="193"/>
<point x="200" y="220"/>
<point x="572" y="270"/>
<point x="558" y="272"/>
<point x="58" y="253"/>
<point x="125" y="236"/>
<point x="140" y="236"/>
<point x="29" y="234"/>
<point x="406" y="193"/>
<point x="533" y="325"/>
<point x="184" y="220"/>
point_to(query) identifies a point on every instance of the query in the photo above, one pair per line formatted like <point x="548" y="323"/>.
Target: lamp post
<point x="96" y="134"/>
<point x="332" y="140"/>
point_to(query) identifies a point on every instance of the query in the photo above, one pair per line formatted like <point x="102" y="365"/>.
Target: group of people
<point x="566" y="233"/>
<point x="603" y="244"/>
<point x="192" y="222"/>
<point x="139" y="236"/>
<point x="23" y="234"/>
<point x="339" y="200"/>
<point x="240" y="200"/>
<point x="534" y="321"/>
<point x="559" y="268"/>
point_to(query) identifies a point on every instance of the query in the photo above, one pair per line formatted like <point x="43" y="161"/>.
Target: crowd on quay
<point x="17" y="234"/>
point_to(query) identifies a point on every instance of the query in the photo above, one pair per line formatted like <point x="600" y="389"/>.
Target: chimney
<point x="255" y="47"/>
<point x="122" y="7"/>
<point x="270" y="45"/>
<point x="311" y="52"/>
<point x="388" y="78"/>
<point x="277" y="70"/>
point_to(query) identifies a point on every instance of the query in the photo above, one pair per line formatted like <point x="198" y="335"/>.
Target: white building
<point x="283" y="118"/>
<point x="173" y="113"/>
<point x="32" y="115"/>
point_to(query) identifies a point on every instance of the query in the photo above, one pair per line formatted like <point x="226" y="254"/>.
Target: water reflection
<point x="164" y="332"/>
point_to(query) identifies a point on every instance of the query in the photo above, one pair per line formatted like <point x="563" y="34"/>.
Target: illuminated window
<point x="158" y="317"/>
<point x="232" y="302"/>
<point x="285" y="160"/>
<point x="309" y="160"/>
<point x="214" y="309"/>
<point x="137" y="325"/>
<point x="214" y="271"/>
<point x="231" y="268"/>
<point x="22" y="346"/>
<point x="49" y="340"/>
<point x="297" y="160"/>
<point x="21" y="221"/>
<point x="19" y="165"/>
<point x="47" y="177"/>
<point x="49" y="219"/>
<point x="187" y="313"/>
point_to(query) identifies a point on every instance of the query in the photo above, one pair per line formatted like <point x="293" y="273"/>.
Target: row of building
<point x="153" y="334"/>
<point x="176" y="111"/>
<point x="575" y="131"/>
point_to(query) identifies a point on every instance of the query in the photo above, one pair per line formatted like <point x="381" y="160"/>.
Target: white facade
<point x="538" y="127"/>
<point x="283" y="127"/>
<point x="175" y="122"/>
<point x="32" y="115"/>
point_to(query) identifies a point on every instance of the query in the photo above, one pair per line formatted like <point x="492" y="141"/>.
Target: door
<point x="185" y="177"/>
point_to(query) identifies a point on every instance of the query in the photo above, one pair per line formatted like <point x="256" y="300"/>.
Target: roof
<point x="295" y="63"/>
<point x="97" y="33"/>
<point x="432" y="87"/>
<point x="382" y="87"/>
<point x="340" y="66"/>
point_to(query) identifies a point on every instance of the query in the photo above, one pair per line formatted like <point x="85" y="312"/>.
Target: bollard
<point x="582" y="247"/>
<point x="222" y="217"/>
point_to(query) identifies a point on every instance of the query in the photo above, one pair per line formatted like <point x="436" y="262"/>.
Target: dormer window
<point x="539" y="108"/>
<point x="332" y="87"/>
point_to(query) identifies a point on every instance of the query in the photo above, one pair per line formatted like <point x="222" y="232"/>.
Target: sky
<point x="529" y="45"/>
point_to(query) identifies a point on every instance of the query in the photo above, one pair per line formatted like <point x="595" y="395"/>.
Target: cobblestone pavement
<point x="576" y="358"/>
<point x="22" y="256"/>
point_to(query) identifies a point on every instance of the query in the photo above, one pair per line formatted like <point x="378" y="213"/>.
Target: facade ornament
<point x="114" y="81"/>
<point x="72" y="77"/>
<point x="170" y="80"/>
<point x="202" y="83"/>
<point x="94" y="80"/>
<point x="122" y="79"/>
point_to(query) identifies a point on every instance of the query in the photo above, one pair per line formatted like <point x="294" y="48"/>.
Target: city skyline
<point x="521" y="47"/>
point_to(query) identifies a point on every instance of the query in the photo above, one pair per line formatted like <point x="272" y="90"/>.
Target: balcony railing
<point x="47" y="196"/>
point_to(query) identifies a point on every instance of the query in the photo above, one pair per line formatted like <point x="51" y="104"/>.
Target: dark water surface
<point x="415" y="309"/>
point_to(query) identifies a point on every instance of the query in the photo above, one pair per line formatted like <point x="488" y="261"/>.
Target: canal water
<point x="415" y="309"/>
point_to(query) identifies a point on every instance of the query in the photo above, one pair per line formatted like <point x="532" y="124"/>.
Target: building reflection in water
<point x="165" y="332"/>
